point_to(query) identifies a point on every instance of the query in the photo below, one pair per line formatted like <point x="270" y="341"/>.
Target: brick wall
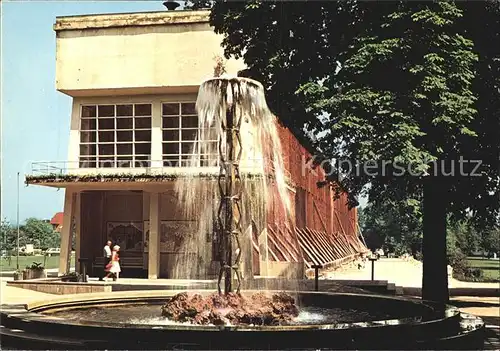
<point x="312" y="206"/>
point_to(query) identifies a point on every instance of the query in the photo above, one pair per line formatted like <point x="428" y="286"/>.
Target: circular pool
<point x="132" y="320"/>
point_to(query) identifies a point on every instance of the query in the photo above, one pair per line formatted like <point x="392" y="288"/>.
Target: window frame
<point x="95" y="159"/>
<point x="180" y="159"/>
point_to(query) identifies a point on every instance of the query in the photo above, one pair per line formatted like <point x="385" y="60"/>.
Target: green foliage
<point x="462" y="241"/>
<point x="198" y="5"/>
<point x="461" y="268"/>
<point x="490" y="268"/>
<point x="49" y="262"/>
<point x="464" y="236"/>
<point x="119" y="177"/>
<point x="284" y="44"/>
<point x="410" y="119"/>
<point x="396" y="227"/>
<point x="403" y="82"/>
<point x="40" y="233"/>
<point x="482" y="193"/>
<point x="8" y="236"/>
<point x="36" y="266"/>
<point x="457" y="260"/>
<point x="33" y="231"/>
<point x="490" y="241"/>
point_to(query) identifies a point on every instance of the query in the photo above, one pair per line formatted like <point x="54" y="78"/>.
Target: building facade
<point x="134" y="80"/>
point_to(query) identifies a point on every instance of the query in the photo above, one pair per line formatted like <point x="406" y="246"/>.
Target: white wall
<point x="142" y="50"/>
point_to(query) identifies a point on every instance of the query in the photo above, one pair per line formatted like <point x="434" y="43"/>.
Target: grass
<point x="490" y="267"/>
<point x="50" y="262"/>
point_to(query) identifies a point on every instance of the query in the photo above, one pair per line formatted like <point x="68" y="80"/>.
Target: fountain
<point x="223" y="104"/>
<point x="229" y="318"/>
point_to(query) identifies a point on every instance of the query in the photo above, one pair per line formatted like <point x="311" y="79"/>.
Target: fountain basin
<point x="392" y="323"/>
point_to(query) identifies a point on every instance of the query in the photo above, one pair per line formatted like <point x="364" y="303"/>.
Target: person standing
<point x="113" y="267"/>
<point x="107" y="258"/>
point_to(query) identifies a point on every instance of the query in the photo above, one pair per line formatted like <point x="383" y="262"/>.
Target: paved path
<point x="399" y="272"/>
<point x="51" y="272"/>
<point x="488" y="308"/>
<point x="12" y="295"/>
<point x="479" y="306"/>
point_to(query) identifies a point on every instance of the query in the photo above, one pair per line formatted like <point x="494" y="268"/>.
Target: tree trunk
<point x="435" y="275"/>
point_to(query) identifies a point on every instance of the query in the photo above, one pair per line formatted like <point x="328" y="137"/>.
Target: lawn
<point x="490" y="267"/>
<point x="50" y="262"/>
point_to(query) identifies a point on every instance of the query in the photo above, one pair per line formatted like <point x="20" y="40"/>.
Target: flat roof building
<point x="134" y="80"/>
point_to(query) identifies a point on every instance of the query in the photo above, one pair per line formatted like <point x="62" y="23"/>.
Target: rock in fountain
<point x="231" y="309"/>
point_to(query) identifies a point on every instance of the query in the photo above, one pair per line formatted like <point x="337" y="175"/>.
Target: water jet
<point x="223" y="104"/>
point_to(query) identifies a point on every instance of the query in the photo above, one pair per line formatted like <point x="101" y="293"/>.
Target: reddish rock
<point x="234" y="309"/>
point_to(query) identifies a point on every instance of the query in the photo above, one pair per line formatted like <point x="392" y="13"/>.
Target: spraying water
<point x="260" y="168"/>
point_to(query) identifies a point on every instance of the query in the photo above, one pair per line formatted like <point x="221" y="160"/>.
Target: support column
<point x="264" y="253"/>
<point x="145" y="217"/>
<point x="154" y="236"/>
<point x="156" y="138"/>
<point x="78" y="224"/>
<point x="246" y="269"/>
<point x="67" y="231"/>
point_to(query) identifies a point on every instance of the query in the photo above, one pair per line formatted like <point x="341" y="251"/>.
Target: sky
<point x="35" y="117"/>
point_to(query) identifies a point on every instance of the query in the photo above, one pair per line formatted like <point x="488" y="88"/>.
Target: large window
<point x="180" y="130"/>
<point x="115" y="135"/>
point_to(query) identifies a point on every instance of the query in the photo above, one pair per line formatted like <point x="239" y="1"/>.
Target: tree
<point x="284" y="45"/>
<point x="490" y="241"/>
<point x="40" y="233"/>
<point x="8" y="236"/>
<point x="406" y="89"/>
<point x="198" y="5"/>
<point x="396" y="227"/>
<point x="465" y="236"/>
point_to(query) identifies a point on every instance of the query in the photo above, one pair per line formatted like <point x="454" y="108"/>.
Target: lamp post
<point x="373" y="258"/>
<point x="171" y="5"/>
<point x="17" y="258"/>
<point x="316" y="267"/>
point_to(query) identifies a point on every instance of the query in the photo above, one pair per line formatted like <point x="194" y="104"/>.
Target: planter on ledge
<point x="35" y="271"/>
<point x="18" y="275"/>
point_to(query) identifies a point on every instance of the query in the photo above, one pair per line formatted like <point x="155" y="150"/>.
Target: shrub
<point x="400" y="249"/>
<point x="36" y="266"/>
<point x="458" y="261"/>
<point x="474" y="274"/>
<point x="462" y="270"/>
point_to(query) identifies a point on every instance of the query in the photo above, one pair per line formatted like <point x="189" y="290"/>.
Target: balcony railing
<point x="145" y="166"/>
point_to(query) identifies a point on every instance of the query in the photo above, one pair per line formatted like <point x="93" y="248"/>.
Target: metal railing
<point x="124" y="166"/>
<point x="50" y="167"/>
<point x="138" y="166"/>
